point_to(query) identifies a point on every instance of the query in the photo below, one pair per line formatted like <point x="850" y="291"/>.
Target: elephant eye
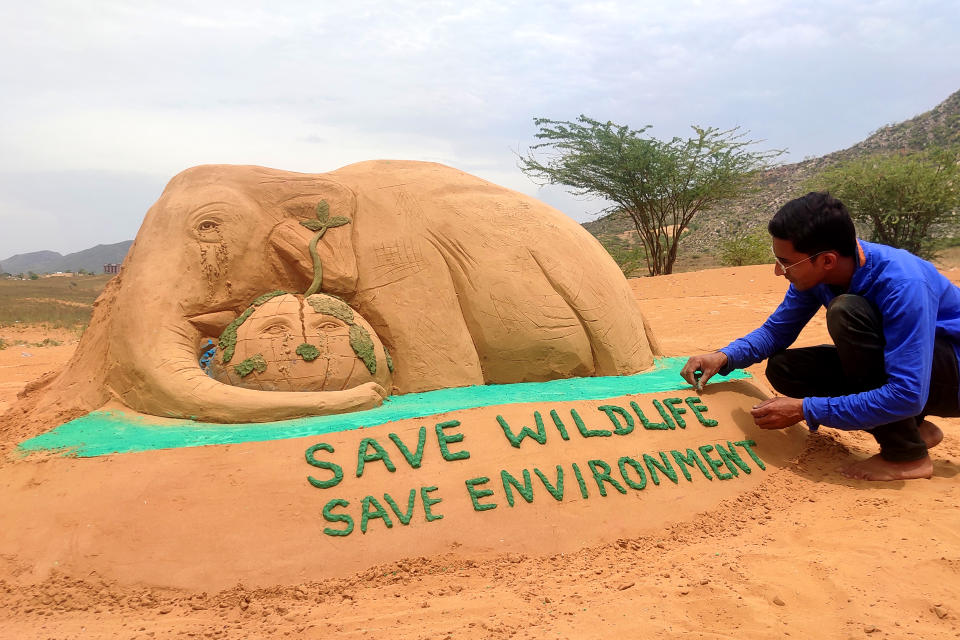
<point x="207" y="225"/>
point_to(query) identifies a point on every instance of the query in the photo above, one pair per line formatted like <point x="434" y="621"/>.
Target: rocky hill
<point x="91" y="259"/>
<point x="774" y="187"/>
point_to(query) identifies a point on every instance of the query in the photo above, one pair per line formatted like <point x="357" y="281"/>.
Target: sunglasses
<point x="784" y="267"/>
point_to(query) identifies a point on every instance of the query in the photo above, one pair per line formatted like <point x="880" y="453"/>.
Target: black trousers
<point x="855" y="364"/>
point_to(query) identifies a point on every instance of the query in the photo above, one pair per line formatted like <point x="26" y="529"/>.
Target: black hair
<point x="815" y="222"/>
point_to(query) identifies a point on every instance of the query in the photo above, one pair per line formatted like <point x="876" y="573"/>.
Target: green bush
<point x="743" y="249"/>
<point x="629" y="257"/>
<point x="902" y="197"/>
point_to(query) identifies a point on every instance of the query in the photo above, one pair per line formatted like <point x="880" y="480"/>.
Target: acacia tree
<point x="900" y="196"/>
<point x="661" y="185"/>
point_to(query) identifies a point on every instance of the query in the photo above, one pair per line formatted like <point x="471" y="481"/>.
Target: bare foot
<point x="930" y="433"/>
<point x="876" y="468"/>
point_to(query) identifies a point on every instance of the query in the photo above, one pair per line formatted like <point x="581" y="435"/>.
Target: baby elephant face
<point x="291" y="343"/>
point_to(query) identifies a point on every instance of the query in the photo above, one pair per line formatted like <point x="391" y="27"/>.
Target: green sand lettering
<point x="732" y="459"/>
<point x="404" y="518"/>
<point x="540" y="435"/>
<point x="747" y="445"/>
<point x="413" y="459"/>
<point x="584" y="431"/>
<point x="689" y="460"/>
<point x="329" y="516"/>
<point x="367" y="514"/>
<point x="429" y="502"/>
<point x="612" y="410"/>
<point x="643" y="419"/>
<point x="443" y="440"/>
<point x="698" y="408"/>
<point x="714" y="464"/>
<point x="601" y="473"/>
<point x="556" y="420"/>
<point x="509" y="483"/>
<point x="555" y="490"/>
<point x="663" y="465"/>
<point x="676" y="411"/>
<point x="663" y="414"/>
<point x="476" y="494"/>
<point x="633" y="484"/>
<point x="379" y="453"/>
<point x="323" y="464"/>
<point x="580" y="482"/>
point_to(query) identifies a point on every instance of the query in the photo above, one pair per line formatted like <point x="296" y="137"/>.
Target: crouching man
<point x="895" y="325"/>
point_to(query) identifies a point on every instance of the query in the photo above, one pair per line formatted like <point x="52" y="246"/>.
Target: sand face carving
<point x="462" y="281"/>
<point x="297" y="343"/>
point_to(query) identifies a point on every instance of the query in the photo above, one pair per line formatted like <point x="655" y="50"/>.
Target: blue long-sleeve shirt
<point x="917" y="304"/>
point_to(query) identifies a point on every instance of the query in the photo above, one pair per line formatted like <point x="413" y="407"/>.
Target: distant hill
<point x="91" y="259"/>
<point x="937" y="127"/>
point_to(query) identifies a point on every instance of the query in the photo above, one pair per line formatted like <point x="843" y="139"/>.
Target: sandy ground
<point x="794" y="551"/>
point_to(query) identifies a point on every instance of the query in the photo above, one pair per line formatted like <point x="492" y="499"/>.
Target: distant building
<point x="111" y="268"/>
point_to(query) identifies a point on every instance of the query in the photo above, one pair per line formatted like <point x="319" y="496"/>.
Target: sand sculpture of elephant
<point x="464" y="281"/>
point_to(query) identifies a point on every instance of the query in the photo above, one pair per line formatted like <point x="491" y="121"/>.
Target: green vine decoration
<point x="320" y="225"/>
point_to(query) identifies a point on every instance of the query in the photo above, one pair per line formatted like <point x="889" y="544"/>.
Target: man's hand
<point x="701" y="368"/>
<point x="778" y="412"/>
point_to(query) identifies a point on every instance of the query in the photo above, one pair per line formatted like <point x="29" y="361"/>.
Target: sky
<point x="102" y="102"/>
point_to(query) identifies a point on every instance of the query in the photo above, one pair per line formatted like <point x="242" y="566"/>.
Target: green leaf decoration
<point x="308" y="352"/>
<point x="337" y="221"/>
<point x="323" y="211"/>
<point x="331" y="306"/>
<point x="251" y="364"/>
<point x="228" y="339"/>
<point x="313" y="225"/>
<point x="363" y="347"/>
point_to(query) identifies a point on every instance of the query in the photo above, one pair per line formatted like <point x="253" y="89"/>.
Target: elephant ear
<point x="304" y="203"/>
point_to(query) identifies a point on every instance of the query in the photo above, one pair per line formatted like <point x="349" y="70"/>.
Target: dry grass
<point x="56" y="302"/>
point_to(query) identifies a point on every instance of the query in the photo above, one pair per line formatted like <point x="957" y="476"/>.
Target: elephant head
<point x="219" y="237"/>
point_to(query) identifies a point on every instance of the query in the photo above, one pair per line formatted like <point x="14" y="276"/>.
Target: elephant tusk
<point x="213" y="323"/>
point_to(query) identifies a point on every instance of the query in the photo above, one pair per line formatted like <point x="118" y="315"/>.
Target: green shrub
<point x="629" y="257"/>
<point x="743" y="249"/>
<point x="903" y="197"/>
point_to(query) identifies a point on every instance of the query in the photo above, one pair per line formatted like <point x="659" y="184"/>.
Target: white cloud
<point x="154" y="87"/>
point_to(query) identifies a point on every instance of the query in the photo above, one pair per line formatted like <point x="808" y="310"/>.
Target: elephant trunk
<point x="154" y="369"/>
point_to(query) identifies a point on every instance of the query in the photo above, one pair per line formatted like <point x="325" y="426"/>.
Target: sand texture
<point x="228" y="542"/>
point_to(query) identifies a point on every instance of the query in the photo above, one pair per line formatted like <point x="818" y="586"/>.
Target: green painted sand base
<point x="104" y="432"/>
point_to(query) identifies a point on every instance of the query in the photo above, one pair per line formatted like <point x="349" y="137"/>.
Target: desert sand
<point x="132" y="545"/>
